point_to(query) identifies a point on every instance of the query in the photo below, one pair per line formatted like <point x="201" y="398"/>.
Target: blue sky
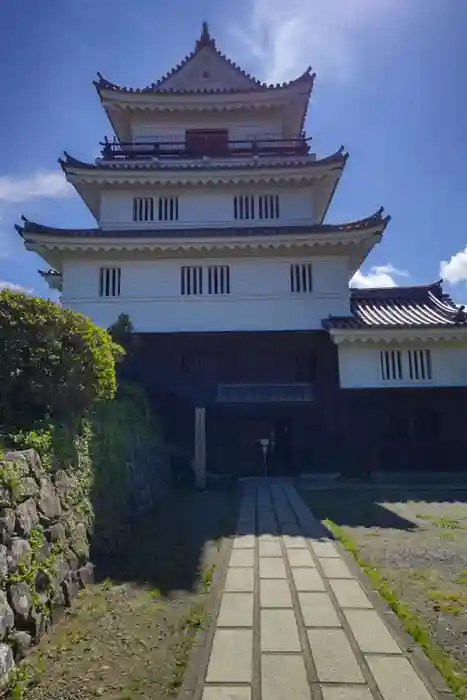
<point x="390" y="86"/>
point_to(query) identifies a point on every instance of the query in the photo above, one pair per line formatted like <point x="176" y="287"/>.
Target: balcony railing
<point x="173" y="150"/>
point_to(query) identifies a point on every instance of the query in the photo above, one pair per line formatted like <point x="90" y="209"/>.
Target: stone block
<point x="236" y="610"/>
<point x="7" y="619"/>
<point x="26" y="517"/>
<point x="70" y="587"/>
<point x="3" y="561"/>
<point x="273" y="567"/>
<point x="318" y="610"/>
<point x="307" y="579"/>
<point x="279" y="631"/>
<point x="20" y="599"/>
<point x="284" y="677"/>
<point x="86" y="575"/>
<point x="372" y="635"/>
<point x="231" y="658"/>
<point x="7" y="663"/>
<point x="49" y="502"/>
<point x="333" y="656"/>
<point x="19" y="554"/>
<point x="396" y="678"/>
<point x="56" y="532"/>
<point x="7" y="523"/>
<point x="20" y="642"/>
<point x="275" y="593"/>
<point x="349" y="593"/>
<point x="239" y="580"/>
<point x="294" y="541"/>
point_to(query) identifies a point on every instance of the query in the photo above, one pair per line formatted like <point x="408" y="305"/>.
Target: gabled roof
<point x="205" y="70"/>
<point x="424" y="306"/>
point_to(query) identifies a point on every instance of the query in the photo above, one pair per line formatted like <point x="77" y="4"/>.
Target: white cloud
<point x="284" y="37"/>
<point x="14" y="287"/>
<point x="455" y="270"/>
<point x="378" y="276"/>
<point x="46" y="183"/>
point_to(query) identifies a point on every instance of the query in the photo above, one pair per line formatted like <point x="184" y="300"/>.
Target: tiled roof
<point x="376" y="221"/>
<point x="339" y="158"/>
<point x="205" y="41"/>
<point x="424" y="306"/>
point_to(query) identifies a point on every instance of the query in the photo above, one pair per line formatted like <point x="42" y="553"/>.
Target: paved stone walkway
<point x="294" y="623"/>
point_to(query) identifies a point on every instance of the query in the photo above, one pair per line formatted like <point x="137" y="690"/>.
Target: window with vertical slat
<point x="301" y="278"/>
<point x="110" y="281"/>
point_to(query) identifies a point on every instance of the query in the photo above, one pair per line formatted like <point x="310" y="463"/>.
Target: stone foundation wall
<point x="44" y="550"/>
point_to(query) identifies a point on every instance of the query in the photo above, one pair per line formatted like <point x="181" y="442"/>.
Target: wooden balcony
<point x="186" y="150"/>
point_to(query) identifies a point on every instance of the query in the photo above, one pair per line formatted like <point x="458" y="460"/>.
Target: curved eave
<point x="106" y="89"/>
<point x="53" y="279"/>
<point x="399" y="334"/>
<point x="336" y="161"/>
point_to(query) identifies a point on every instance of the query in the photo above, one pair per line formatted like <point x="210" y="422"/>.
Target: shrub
<point x="54" y="363"/>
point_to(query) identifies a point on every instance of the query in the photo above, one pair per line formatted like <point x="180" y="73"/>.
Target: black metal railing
<point x="173" y="150"/>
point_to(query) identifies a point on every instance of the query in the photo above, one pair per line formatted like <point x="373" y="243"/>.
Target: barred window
<point x="198" y="280"/>
<point x="150" y="209"/>
<point x="301" y="278"/>
<point x="109" y="281"/>
<point x="264" y="206"/>
<point x="391" y="365"/>
<point x="168" y="209"/>
<point x="143" y="208"/>
<point x="191" y="280"/>
<point x="218" y="279"/>
<point x="419" y="365"/>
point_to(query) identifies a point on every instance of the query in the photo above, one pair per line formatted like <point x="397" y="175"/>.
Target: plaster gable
<point x="207" y="70"/>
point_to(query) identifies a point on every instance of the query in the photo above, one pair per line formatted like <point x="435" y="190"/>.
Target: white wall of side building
<point x="360" y="365"/>
<point x="206" y="206"/>
<point x="260" y="296"/>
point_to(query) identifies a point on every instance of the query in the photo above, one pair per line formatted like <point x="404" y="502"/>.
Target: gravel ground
<point x="418" y="540"/>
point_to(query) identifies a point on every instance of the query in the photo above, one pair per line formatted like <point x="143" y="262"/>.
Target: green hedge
<point x="54" y="363"/>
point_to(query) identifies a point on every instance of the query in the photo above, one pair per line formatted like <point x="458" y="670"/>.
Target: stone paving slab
<point x="349" y="594"/>
<point x="240" y="580"/>
<point x="301" y="557"/>
<point x="236" y="610"/>
<point x="231" y="657"/>
<point x="275" y="593"/>
<point x="307" y="579"/>
<point x="318" y="610"/>
<point x="284" y="678"/>
<point x="397" y="679"/>
<point x="347" y="692"/>
<point x="292" y="614"/>
<point x="272" y="567"/>
<point x="279" y="631"/>
<point x="270" y="549"/>
<point x="226" y="693"/>
<point x="244" y="542"/>
<point x="242" y="557"/>
<point x="324" y="548"/>
<point x="333" y="656"/>
<point x="335" y="568"/>
<point x="372" y="635"/>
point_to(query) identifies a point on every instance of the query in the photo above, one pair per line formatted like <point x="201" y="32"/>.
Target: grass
<point x="413" y="623"/>
<point x="442" y="521"/>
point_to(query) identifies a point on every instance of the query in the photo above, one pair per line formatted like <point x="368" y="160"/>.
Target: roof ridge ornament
<point x="205" y="39"/>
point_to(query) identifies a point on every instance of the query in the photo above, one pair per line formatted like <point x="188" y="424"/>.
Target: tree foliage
<point x="54" y="363"/>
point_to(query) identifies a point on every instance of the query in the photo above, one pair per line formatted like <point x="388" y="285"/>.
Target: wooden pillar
<point x="200" y="447"/>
